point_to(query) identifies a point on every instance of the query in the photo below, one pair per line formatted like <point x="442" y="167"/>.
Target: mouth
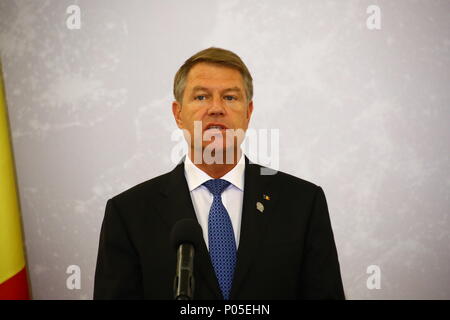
<point x="215" y="126"/>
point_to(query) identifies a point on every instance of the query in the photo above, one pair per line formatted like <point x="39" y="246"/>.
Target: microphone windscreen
<point x="186" y="231"/>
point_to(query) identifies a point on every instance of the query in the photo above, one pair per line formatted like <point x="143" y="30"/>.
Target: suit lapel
<point x="178" y="205"/>
<point x="254" y="221"/>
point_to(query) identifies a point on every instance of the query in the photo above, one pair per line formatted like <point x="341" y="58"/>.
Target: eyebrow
<point x="200" y="88"/>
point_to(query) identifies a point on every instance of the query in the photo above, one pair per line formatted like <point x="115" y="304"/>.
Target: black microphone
<point x="186" y="236"/>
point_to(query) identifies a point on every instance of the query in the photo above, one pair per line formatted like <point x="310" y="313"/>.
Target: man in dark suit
<point x="266" y="236"/>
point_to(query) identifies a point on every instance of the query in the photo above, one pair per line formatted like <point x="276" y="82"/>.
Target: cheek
<point x="185" y="119"/>
<point x="193" y="114"/>
<point x="243" y="119"/>
<point x="189" y="119"/>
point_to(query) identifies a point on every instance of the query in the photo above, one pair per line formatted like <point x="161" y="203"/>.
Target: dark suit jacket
<point x="285" y="252"/>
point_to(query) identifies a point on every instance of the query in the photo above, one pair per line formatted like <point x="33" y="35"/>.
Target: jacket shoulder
<point x="286" y="180"/>
<point x="144" y="190"/>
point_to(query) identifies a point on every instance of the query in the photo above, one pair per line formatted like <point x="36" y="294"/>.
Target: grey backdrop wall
<point x="362" y="112"/>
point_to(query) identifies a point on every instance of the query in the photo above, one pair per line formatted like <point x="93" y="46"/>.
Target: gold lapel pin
<point x="266" y="197"/>
<point x="259" y="206"/>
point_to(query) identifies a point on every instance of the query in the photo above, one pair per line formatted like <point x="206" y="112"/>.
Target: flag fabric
<point x="13" y="277"/>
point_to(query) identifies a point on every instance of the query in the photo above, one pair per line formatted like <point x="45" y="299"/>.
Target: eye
<point x="200" y="98"/>
<point x="230" y="98"/>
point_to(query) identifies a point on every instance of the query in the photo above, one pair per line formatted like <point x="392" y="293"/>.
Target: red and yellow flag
<point x="13" y="277"/>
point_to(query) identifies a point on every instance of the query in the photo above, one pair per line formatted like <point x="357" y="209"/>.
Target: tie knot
<point x="216" y="186"/>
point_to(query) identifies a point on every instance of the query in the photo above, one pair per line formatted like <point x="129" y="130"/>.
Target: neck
<point x="216" y="170"/>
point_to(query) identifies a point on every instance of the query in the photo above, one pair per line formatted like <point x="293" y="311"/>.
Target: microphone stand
<point x="184" y="276"/>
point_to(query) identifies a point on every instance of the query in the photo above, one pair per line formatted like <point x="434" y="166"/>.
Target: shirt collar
<point x="195" y="177"/>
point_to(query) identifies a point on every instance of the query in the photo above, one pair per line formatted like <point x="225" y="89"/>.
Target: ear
<point x="249" y="110"/>
<point x="176" y="110"/>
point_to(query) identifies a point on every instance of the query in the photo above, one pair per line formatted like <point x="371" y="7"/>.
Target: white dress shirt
<point x="232" y="196"/>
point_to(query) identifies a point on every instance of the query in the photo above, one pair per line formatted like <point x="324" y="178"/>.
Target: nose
<point x="216" y="108"/>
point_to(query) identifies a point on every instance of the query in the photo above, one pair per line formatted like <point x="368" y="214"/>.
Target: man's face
<point x="214" y="95"/>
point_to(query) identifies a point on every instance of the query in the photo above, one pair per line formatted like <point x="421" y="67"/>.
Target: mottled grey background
<point x="363" y="113"/>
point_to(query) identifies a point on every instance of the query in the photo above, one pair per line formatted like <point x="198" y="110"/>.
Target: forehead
<point x="211" y="75"/>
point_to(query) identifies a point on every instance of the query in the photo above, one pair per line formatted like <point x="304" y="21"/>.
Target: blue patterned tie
<point x="222" y="246"/>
